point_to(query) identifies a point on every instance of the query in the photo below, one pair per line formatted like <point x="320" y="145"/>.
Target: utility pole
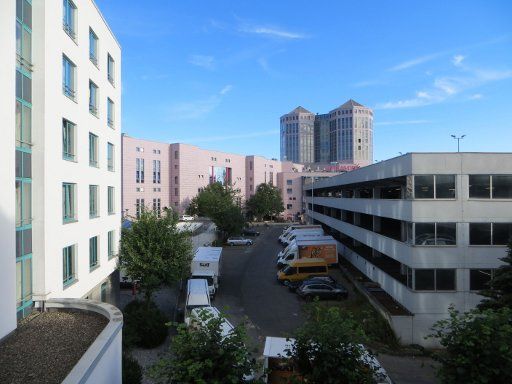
<point x="458" y="141"/>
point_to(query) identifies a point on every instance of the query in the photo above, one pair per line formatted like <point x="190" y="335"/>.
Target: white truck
<point x="293" y="243"/>
<point x="206" y="265"/>
<point x="322" y="247"/>
<point x="197" y="297"/>
<point x="301" y="232"/>
<point x="294" y="227"/>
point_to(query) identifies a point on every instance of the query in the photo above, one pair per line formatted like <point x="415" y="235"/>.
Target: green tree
<point x="154" y="252"/>
<point x="219" y="203"/>
<point x="204" y="354"/>
<point x="499" y="293"/>
<point x="478" y="346"/>
<point x="265" y="202"/>
<point x="327" y="348"/>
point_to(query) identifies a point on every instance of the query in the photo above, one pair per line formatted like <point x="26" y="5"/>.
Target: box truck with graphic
<point x="206" y="265"/>
<point x="310" y="248"/>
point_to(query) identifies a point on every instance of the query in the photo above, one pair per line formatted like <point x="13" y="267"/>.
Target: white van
<point x="198" y="296"/>
<point x="206" y="265"/>
<point x="297" y="226"/>
<point x="302" y="232"/>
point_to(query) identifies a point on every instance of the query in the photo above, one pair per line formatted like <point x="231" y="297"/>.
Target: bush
<point x="132" y="371"/>
<point x="144" y="325"/>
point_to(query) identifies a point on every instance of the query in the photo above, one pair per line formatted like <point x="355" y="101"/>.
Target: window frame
<point x="93" y="42"/>
<point x="492" y="242"/>
<point x="69" y="190"/>
<point x="69" y="90"/>
<point x="111" y="244"/>
<point x="434" y="187"/>
<point x="111" y="69"/>
<point x="93" y="150"/>
<point x="68" y="149"/>
<point x="413" y="236"/>
<point x="94" y="92"/>
<point x="110" y="157"/>
<point x="69" y="26"/>
<point x="435" y="280"/>
<point x="94" y="206"/>
<point x="94" y="260"/>
<point x="111" y="206"/>
<point x="491" y="188"/>
<point x="110" y="113"/>
<point x="69" y="272"/>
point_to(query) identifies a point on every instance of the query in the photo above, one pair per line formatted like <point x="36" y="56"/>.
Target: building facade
<point x="297" y="136"/>
<point x="430" y="228"/>
<point x="186" y="169"/>
<point x="344" y="135"/>
<point x="63" y="103"/>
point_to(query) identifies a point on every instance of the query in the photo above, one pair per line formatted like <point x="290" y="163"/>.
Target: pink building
<point x="145" y="175"/>
<point x="160" y="175"/>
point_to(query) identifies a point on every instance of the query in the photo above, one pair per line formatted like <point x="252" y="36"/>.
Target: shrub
<point x="144" y="325"/>
<point x="132" y="371"/>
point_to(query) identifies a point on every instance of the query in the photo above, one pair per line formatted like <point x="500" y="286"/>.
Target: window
<point x="93" y="47"/>
<point x="23" y="125"/>
<point x="110" y="113"/>
<point x="435" y="234"/>
<point x="176" y="192"/>
<point x="24" y="32"/>
<point x="176" y="155"/>
<point x="490" y="233"/>
<point x="23" y="87"/>
<point x="289" y="182"/>
<point x="93" y="253"/>
<point x="289" y="206"/>
<point x="23" y="242"/>
<point x="68" y="265"/>
<point x="139" y="207"/>
<point x="110" y="157"/>
<point x="111" y="201"/>
<point x="490" y="186"/>
<point x="157" y="206"/>
<point x="435" y="279"/>
<point x="156" y="171"/>
<point x="110" y="69"/>
<point x="175" y="179"/>
<point x="69" y="18"/>
<point x="93" y="201"/>
<point x="479" y="279"/>
<point x="68" y="77"/>
<point x="434" y="186"/>
<point x="289" y="191"/>
<point x="23" y="202"/>
<point x="68" y="140"/>
<point x="93" y="98"/>
<point x="111" y="244"/>
<point x="93" y="150"/>
<point x="139" y="170"/>
<point x="68" y="202"/>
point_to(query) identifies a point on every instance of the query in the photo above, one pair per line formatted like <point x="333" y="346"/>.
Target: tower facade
<point x="297" y="136"/>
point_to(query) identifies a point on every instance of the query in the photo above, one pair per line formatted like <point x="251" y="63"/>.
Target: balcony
<point x="71" y="341"/>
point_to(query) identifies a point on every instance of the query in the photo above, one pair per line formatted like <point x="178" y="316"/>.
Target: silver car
<point x="238" y="241"/>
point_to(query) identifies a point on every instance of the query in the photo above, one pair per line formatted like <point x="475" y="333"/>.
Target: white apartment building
<point x="61" y="96"/>
<point x="430" y="228"/>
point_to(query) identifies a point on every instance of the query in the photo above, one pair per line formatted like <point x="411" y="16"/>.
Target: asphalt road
<point x="249" y="287"/>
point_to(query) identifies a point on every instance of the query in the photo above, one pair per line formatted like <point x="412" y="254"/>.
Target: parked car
<point x="322" y="290"/>
<point x="186" y="218"/>
<point x="293" y="285"/>
<point x="250" y="232"/>
<point x="238" y="241"/>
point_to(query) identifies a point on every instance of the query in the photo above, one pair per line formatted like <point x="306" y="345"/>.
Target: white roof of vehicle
<point x="226" y="326"/>
<point x="208" y="253"/>
<point x="277" y="346"/>
<point x="316" y="240"/>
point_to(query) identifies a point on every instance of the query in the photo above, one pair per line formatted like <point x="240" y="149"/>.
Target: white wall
<point x="7" y="174"/>
<point x="50" y="106"/>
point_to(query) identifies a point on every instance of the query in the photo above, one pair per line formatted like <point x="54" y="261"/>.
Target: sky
<point x="219" y="74"/>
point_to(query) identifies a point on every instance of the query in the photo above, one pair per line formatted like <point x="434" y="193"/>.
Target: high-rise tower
<point x="297" y="136"/>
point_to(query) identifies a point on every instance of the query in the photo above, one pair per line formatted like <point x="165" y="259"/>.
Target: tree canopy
<point x="327" y="348"/>
<point x="499" y="293"/>
<point x="204" y="354"/>
<point x="265" y="202"/>
<point x="154" y="252"/>
<point x="478" y="346"/>
<point x="219" y="203"/>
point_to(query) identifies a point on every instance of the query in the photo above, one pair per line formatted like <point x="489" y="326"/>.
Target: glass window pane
<point x="19" y="84"/>
<point x="445" y="186"/>
<point x="425" y="234"/>
<point x="18" y="38"/>
<point x="27" y="241"/>
<point x="27" y="165"/>
<point x="424" y="279"/>
<point x="479" y="279"/>
<point x="480" y="233"/>
<point x="27" y="203"/>
<point x="424" y="187"/>
<point x="19" y="157"/>
<point x="27" y="13"/>
<point x="19" y="243"/>
<point x="18" y="202"/>
<point x="26" y="135"/>
<point x="445" y="279"/>
<point x="479" y="186"/>
<point x="502" y="186"/>
<point x="18" y="123"/>
<point x="446" y="234"/>
<point x="19" y="9"/>
<point x="18" y="284"/>
<point x="27" y="279"/>
<point x="27" y="45"/>
<point x="501" y="233"/>
<point x="27" y="89"/>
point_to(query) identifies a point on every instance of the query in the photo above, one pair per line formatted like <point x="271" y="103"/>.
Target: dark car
<point x="293" y="285"/>
<point x="250" y="232"/>
<point x="322" y="290"/>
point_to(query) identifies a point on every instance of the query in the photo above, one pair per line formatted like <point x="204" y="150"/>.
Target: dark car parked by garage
<point x="322" y="290"/>
<point x="250" y="232"/>
<point x="294" y="285"/>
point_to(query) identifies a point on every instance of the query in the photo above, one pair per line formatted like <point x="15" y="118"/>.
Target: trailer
<point x="206" y="264"/>
<point x="325" y="248"/>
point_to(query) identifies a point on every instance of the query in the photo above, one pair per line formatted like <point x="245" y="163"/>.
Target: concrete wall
<point x="50" y="106"/>
<point x="7" y="173"/>
<point x="147" y="190"/>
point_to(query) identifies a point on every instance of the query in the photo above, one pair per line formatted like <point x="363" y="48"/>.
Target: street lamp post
<point x="458" y="141"/>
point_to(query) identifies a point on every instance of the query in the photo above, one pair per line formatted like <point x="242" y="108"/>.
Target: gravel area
<point x="45" y="348"/>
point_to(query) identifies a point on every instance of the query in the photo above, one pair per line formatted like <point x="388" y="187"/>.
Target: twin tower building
<point x="344" y="135"/>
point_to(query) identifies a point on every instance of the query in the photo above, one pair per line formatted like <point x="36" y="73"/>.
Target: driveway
<point x="249" y="289"/>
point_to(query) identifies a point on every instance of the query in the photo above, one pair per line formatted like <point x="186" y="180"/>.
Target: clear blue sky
<point x="218" y="74"/>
